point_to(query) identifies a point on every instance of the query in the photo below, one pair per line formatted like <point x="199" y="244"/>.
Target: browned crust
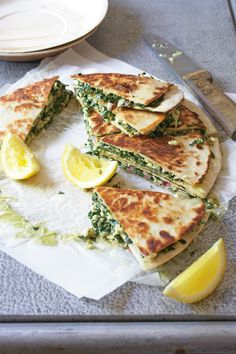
<point x="143" y="121"/>
<point x="147" y="216"/>
<point x="188" y="119"/>
<point x="172" y="157"/>
<point x="98" y="126"/>
<point x="123" y="84"/>
<point x="36" y="93"/>
<point x="21" y="127"/>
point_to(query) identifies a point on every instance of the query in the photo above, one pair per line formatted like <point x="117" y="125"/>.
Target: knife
<point x="232" y="8"/>
<point x="199" y="81"/>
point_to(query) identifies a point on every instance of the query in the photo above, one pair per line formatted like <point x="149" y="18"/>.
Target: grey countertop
<point x="204" y="29"/>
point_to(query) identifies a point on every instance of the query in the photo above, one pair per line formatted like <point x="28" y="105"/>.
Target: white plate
<point x="38" y="55"/>
<point x="33" y="25"/>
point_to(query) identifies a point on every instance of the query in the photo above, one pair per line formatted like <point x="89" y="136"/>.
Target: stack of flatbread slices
<point x="153" y="131"/>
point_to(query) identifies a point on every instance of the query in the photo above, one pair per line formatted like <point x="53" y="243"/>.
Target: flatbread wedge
<point x="138" y="92"/>
<point x="155" y="226"/>
<point x="189" y="163"/>
<point x="28" y="110"/>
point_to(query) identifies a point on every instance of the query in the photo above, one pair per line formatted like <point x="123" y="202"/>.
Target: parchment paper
<point x="83" y="272"/>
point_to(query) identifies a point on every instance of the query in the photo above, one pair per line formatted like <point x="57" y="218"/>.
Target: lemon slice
<point x="18" y="161"/>
<point x="86" y="171"/>
<point x="201" y="278"/>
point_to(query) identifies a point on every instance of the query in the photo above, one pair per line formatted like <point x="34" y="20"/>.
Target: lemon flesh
<point x="86" y="171"/>
<point x="201" y="278"/>
<point x="18" y="161"/>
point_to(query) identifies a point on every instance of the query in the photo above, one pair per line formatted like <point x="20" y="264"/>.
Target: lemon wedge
<point x="201" y="278"/>
<point x="18" y="161"/>
<point x="86" y="171"/>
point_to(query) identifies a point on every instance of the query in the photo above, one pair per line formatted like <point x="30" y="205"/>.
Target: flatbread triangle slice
<point x="189" y="162"/>
<point x="173" y="155"/>
<point x="138" y="92"/>
<point x="149" y="222"/>
<point x="28" y="110"/>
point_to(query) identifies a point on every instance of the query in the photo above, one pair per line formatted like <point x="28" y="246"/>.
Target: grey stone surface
<point x="203" y="29"/>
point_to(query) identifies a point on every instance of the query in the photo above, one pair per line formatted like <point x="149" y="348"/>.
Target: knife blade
<point x="199" y="81"/>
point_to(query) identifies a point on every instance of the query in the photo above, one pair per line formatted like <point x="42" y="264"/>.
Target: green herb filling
<point x="84" y="89"/>
<point x="105" y="226"/>
<point x="58" y="99"/>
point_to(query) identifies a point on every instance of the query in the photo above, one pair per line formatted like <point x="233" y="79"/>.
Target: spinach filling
<point x="84" y="89"/>
<point x="125" y="127"/>
<point x="198" y="141"/>
<point x="171" y="119"/>
<point x="58" y="99"/>
<point x="90" y="141"/>
<point x="108" y="116"/>
<point x="153" y="104"/>
<point x="105" y="226"/>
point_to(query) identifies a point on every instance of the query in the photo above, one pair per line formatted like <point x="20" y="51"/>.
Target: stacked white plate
<point x="35" y="29"/>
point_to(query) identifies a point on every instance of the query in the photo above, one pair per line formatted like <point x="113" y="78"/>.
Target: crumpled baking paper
<point x="82" y="272"/>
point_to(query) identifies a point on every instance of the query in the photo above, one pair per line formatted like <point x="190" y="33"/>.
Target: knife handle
<point x="222" y="108"/>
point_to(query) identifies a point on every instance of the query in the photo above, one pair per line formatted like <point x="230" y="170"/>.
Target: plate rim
<point x="38" y="55"/>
